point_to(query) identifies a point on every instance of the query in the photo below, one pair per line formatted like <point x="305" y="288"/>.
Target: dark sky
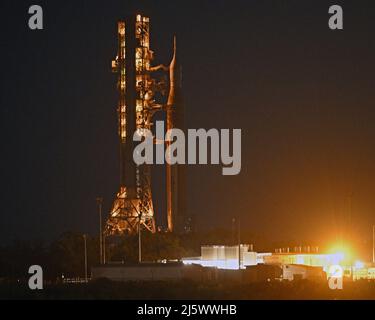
<point x="302" y="94"/>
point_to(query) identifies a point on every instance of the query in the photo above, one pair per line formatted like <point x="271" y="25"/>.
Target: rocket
<point x="133" y="206"/>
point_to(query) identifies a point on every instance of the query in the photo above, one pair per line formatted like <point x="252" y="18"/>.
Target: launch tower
<point x="138" y="89"/>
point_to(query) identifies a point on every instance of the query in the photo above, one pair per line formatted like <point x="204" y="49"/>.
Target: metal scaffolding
<point x="137" y="86"/>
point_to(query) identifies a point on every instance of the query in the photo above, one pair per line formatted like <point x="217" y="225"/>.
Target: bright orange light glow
<point x="343" y="254"/>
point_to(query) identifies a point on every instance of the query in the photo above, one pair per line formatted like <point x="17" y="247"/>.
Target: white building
<point x="225" y="257"/>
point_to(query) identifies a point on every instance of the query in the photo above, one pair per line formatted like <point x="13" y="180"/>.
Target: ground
<point x="104" y="289"/>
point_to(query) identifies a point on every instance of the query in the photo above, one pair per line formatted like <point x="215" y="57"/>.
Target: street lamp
<point x="104" y="254"/>
<point x="373" y="244"/>
<point x="139" y="239"/>
<point x="85" y="254"/>
<point x="99" y="201"/>
<point x="238" y="238"/>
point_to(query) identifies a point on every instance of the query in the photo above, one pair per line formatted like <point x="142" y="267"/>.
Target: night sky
<point x="302" y="94"/>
